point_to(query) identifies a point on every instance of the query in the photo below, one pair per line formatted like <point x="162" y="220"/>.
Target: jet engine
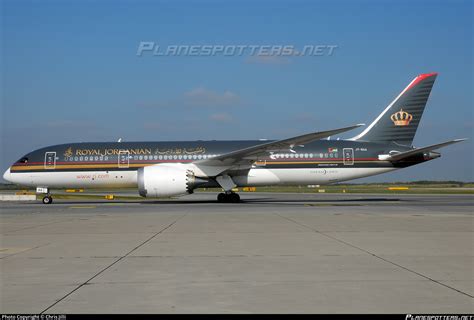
<point x="166" y="180"/>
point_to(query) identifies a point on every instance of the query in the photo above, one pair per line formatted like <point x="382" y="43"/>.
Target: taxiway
<point x="272" y="253"/>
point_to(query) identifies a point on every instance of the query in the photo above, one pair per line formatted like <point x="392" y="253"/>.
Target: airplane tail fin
<point x="400" y="119"/>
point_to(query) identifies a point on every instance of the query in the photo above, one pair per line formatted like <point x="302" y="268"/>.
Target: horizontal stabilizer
<point x="407" y="154"/>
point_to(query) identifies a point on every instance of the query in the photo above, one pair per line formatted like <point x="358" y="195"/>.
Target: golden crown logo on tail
<point x="401" y="118"/>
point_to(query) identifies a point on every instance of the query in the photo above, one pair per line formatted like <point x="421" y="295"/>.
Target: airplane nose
<point x="7" y="175"/>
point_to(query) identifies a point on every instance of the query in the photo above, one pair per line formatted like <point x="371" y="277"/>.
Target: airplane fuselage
<point x="105" y="165"/>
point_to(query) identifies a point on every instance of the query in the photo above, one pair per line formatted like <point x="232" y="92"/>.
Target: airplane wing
<point x="406" y="154"/>
<point x="249" y="155"/>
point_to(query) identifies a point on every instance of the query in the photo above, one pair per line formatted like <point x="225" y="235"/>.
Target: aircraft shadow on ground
<point x="263" y="200"/>
<point x="276" y="200"/>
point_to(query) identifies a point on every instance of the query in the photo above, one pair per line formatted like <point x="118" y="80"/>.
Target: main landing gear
<point x="226" y="182"/>
<point x="231" y="197"/>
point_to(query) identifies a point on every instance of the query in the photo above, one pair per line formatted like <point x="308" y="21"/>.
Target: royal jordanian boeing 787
<point x="164" y="169"/>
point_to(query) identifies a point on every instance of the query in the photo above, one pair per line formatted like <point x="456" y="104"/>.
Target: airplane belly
<point x="72" y="179"/>
<point x="299" y="176"/>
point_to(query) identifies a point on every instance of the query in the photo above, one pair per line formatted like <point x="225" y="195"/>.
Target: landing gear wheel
<point x="228" y="197"/>
<point x="234" y="198"/>
<point x="221" y="197"/>
<point x="47" y="199"/>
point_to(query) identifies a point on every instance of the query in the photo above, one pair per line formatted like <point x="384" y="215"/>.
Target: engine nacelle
<point x="165" y="180"/>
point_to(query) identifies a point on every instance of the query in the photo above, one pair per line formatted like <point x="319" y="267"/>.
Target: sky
<point x="70" y="72"/>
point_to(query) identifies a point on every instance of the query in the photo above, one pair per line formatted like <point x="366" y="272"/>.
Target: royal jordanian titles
<point x="168" y="169"/>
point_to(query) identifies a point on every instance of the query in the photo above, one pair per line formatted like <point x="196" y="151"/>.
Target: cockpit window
<point x="23" y="160"/>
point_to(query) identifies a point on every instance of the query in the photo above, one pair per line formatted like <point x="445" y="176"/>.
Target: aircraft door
<point x="348" y="154"/>
<point x="123" y="159"/>
<point x="50" y="160"/>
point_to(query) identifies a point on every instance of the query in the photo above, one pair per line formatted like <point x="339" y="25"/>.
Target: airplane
<point x="170" y="169"/>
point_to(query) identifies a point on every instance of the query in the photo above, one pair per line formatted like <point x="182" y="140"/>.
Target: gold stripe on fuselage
<point x="139" y="165"/>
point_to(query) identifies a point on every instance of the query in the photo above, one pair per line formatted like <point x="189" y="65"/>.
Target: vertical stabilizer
<point x="399" y="121"/>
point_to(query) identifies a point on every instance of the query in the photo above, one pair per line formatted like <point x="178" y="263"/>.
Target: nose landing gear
<point x="47" y="199"/>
